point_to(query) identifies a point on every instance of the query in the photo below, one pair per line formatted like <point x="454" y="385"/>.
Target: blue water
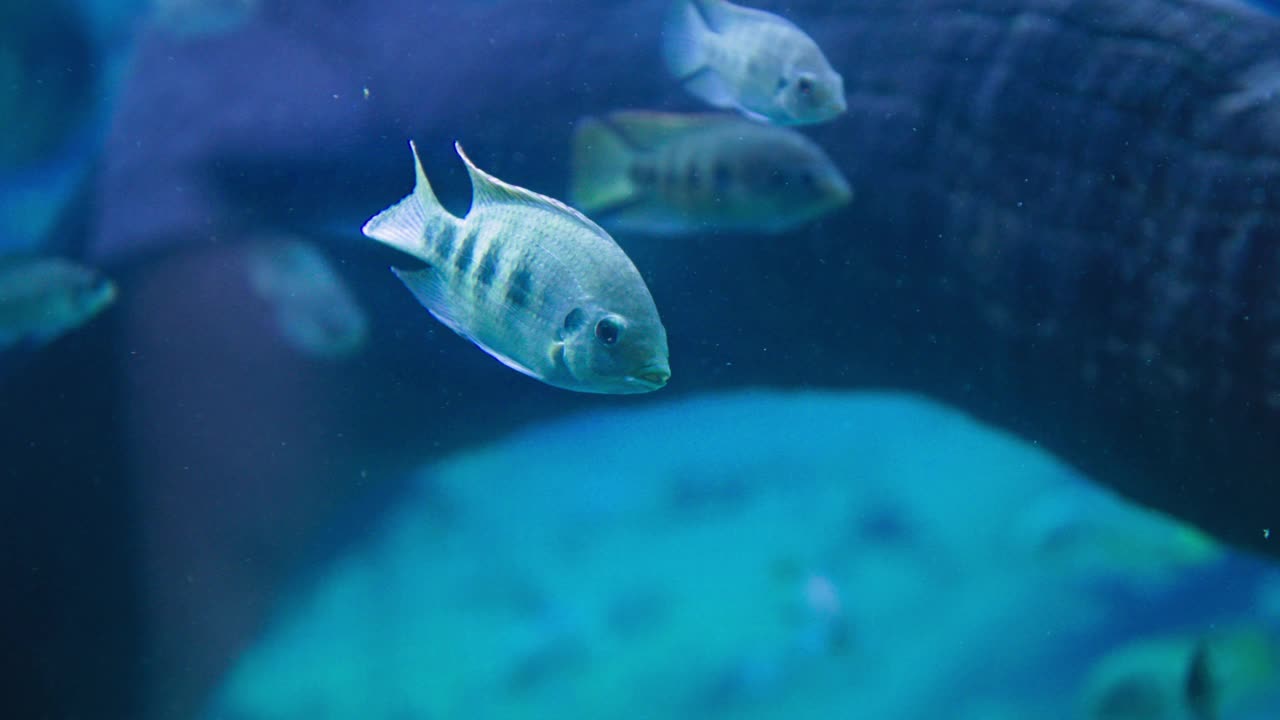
<point x="265" y="484"/>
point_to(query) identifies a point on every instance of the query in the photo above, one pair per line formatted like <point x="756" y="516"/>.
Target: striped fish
<point x="531" y="281"/>
<point x="670" y="174"/>
<point x="751" y="61"/>
<point x="315" y="313"/>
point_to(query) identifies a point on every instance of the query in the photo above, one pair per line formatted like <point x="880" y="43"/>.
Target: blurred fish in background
<point x="195" y="18"/>
<point x="315" y="311"/>
<point x="1069" y="238"/>
<point x="42" y="298"/>
<point x="753" y="61"/>
<point x="1082" y="529"/>
<point x="50" y="83"/>
<point x="665" y="173"/>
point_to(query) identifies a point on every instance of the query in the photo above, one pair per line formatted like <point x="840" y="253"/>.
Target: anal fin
<point x="430" y="289"/>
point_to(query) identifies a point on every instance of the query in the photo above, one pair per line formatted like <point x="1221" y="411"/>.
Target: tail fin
<point x="602" y="162"/>
<point x="684" y="40"/>
<point x="408" y="224"/>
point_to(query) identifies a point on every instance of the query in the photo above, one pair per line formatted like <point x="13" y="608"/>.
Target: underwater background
<point x="995" y="436"/>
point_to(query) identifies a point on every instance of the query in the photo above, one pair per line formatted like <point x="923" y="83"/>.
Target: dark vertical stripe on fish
<point x="444" y="243"/>
<point x="488" y="266"/>
<point x="462" y="261"/>
<point x="520" y="287"/>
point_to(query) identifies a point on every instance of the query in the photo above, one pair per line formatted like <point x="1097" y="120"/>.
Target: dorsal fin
<point x="720" y="15"/>
<point x="648" y="129"/>
<point x="717" y="14"/>
<point x="489" y="190"/>
<point x="410" y="224"/>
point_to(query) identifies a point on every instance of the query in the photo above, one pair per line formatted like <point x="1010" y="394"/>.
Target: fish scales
<point x="520" y="287"/>
<point x="533" y="283"/>
<point x="668" y="173"/>
<point x="487" y="268"/>
<point x="442" y="245"/>
<point x="537" y="255"/>
<point x="465" y="253"/>
<point x="753" y="61"/>
<point x="42" y="298"/>
<point x="766" y="41"/>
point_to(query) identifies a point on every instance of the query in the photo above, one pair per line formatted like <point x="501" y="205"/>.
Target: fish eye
<point x="804" y="85"/>
<point x="607" y="331"/>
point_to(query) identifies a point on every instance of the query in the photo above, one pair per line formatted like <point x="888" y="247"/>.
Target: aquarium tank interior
<point x="640" y="359"/>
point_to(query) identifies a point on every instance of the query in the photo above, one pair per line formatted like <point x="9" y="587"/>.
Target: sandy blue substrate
<point x="751" y="555"/>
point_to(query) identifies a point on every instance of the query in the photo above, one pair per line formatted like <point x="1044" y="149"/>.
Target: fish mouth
<point x="652" y="377"/>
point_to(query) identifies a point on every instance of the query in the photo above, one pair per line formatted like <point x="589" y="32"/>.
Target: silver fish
<point x="752" y="61"/>
<point x="531" y="281"/>
<point x="664" y="173"/>
<point x="315" y="312"/>
<point x="42" y="298"/>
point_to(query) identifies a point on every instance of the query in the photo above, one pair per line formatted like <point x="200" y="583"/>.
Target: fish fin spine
<point x="409" y="224"/>
<point x="487" y="189"/>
